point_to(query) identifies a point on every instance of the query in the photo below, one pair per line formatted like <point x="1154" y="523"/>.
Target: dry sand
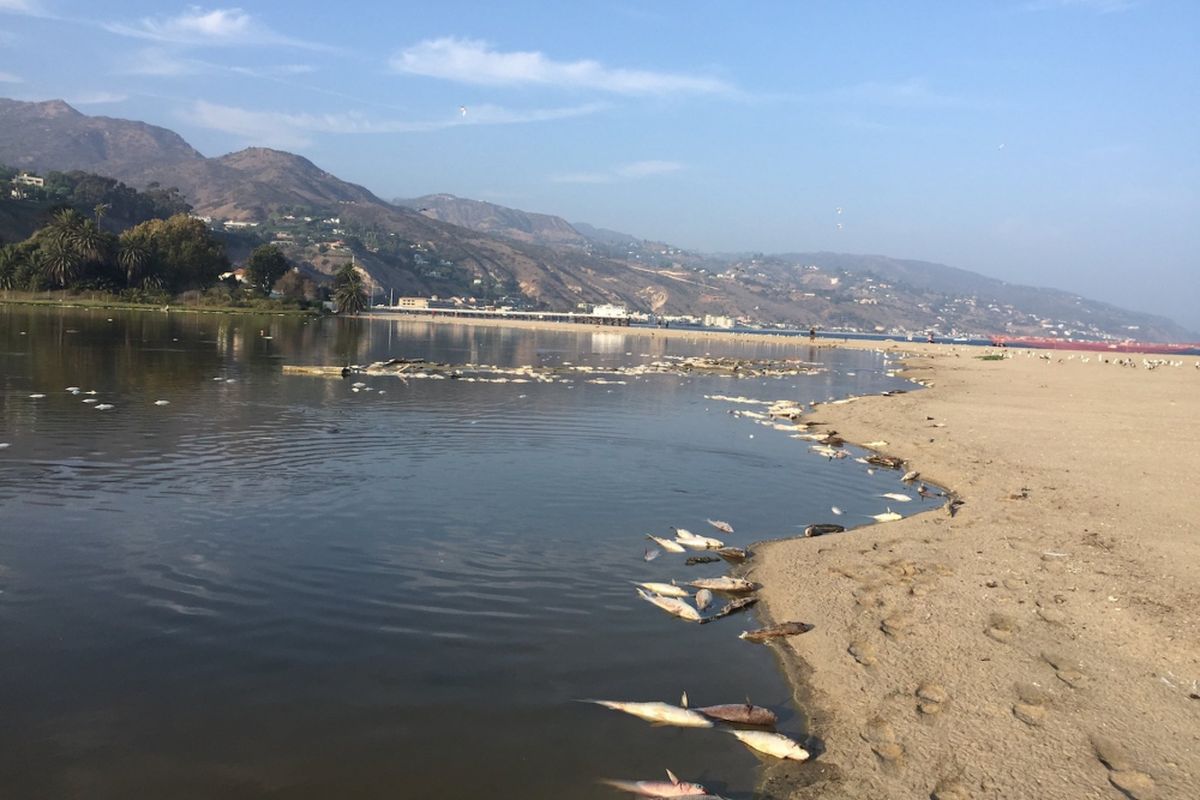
<point x="1043" y="643"/>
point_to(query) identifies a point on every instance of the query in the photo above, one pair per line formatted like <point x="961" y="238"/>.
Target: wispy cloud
<point x="20" y="7"/>
<point x="8" y="77"/>
<point x="477" y="62"/>
<point x="292" y="130"/>
<point x="162" y="63"/>
<point x="624" y="172"/>
<point x="200" y="27"/>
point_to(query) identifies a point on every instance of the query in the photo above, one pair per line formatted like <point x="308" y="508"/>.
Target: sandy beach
<point x="1045" y="641"/>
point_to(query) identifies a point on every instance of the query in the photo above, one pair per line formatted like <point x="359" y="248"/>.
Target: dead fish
<point x="776" y="631"/>
<point x="837" y="511"/>
<point x="724" y="527"/>
<point x="772" y="744"/>
<point x="923" y="491"/>
<point x="887" y="516"/>
<point x="665" y="589"/>
<point x="741" y="713"/>
<point x="665" y="544"/>
<point x="695" y="542"/>
<point x="891" y="462"/>
<point x="734" y="555"/>
<point x="651" y="554"/>
<point x="953" y="504"/>
<point x="694" y="560"/>
<point x="704" y="599"/>
<point x="911" y="475"/>
<point x="732" y="607"/>
<point x="658" y="713"/>
<point x="823" y="528"/>
<point x="672" y="605"/>
<point x="897" y="496"/>
<point x="725" y="584"/>
<point x="673" y="787"/>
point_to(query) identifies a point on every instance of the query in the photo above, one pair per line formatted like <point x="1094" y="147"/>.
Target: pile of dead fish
<point x="566" y="372"/>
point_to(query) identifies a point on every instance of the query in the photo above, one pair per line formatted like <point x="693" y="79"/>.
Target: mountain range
<point x="446" y="245"/>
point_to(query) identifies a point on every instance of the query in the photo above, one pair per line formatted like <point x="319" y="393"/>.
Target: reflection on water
<point x="278" y="587"/>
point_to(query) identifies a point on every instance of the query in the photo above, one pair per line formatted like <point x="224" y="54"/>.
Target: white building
<point x="718" y="321"/>
<point x="610" y="311"/>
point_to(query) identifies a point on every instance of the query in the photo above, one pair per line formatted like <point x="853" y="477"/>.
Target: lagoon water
<point x="277" y="587"/>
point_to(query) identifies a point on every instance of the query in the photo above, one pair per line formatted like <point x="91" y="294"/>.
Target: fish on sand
<point x="724" y="527"/>
<point x="672" y="605"/>
<point x="725" y="584"/>
<point x="776" y="631"/>
<point x="772" y="744"/>
<point x="658" y="713"/>
<point x="822" y="528"/>
<point x="673" y="787"/>
<point x="665" y="544"/>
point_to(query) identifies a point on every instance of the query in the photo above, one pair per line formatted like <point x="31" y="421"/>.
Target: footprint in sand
<point x="1065" y="669"/>
<point x="897" y="625"/>
<point x="882" y="737"/>
<point x="950" y="789"/>
<point x="931" y="697"/>
<point x="863" y="652"/>
<point x="1123" y="773"/>
<point x="1001" y="627"/>
<point x="1031" y="703"/>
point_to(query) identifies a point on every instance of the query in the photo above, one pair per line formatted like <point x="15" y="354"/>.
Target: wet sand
<point x="1044" y="642"/>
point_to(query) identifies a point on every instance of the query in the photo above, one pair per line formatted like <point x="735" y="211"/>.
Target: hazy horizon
<point x="1043" y="142"/>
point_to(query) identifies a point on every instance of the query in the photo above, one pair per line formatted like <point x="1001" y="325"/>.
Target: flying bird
<point x="462" y="111"/>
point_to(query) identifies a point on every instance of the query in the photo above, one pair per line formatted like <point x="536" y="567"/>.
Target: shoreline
<point x="120" y="305"/>
<point x="1042" y="643"/>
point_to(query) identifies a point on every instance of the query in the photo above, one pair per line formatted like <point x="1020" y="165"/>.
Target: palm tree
<point x="9" y="261"/>
<point x="348" y="290"/>
<point x="132" y="256"/>
<point x="60" y="262"/>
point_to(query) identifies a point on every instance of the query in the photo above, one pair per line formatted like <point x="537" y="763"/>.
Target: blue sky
<point x="1052" y="142"/>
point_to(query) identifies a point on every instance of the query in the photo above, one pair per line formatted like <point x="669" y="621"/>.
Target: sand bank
<point x="1044" y="642"/>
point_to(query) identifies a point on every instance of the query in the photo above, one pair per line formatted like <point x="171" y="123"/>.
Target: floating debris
<point x="36" y="396"/>
<point x="694" y="560"/>
<point x="704" y="599"/>
<point x="104" y="407"/>
<point x="889" y="462"/>
<point x="776" y="631"/>
<point x="162" y="402"/>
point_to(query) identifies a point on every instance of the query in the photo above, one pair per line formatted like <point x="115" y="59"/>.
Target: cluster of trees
<point x="105" y="197"/>
<point x="159" y="256"/>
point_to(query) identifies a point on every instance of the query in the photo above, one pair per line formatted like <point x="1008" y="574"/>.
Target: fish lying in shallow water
<point x="724" y="527"/>
<point x="665" y="544"/>
<point x="658" y="713"/>
<point x="694" y="560"/>
<point x="887" y="516"/>
<point x="823" y="528"/>
<point x="911" y="475"/>
<point x="671" y="605"/>
<point x="772" y="744"/>
<point x="776" y="631"/>
<point x="665" y="589"/>
<point x="733" y="554"/>
<point x="731" y="607"/>
<point x="686" y="538"/>
<point x="897" y="496"/>
<point x="668" y="788"/>
<point x="725" y="584"/>
<point x="741" y="713"/>
<point x="704" y="599"/>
